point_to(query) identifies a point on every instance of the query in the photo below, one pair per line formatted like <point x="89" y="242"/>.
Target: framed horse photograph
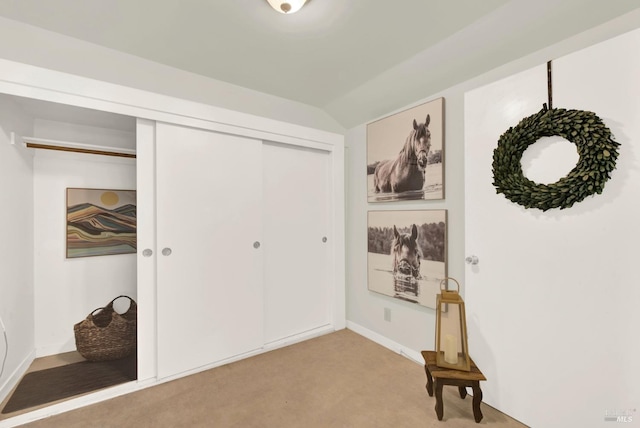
<point x="407" y="254"/>
<point x="405" y="158"/>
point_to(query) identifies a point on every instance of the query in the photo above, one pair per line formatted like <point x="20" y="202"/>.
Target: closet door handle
<point x="166" y="251"/>
<point x="256" y="245"/>
<point x="472" y="260"/>
<point x="147" y="252"/>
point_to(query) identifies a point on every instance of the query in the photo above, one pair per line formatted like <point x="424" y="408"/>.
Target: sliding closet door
<point x="297" y="240"/>
<point x="210" y="290"/>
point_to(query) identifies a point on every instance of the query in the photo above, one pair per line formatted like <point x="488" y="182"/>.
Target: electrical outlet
<point x="387" y="314"/>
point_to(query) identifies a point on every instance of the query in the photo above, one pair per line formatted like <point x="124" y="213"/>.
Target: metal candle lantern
<point x="452" y="350"/>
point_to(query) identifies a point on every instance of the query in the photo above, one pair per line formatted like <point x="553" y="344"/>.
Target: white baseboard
<point x="15" y="377"/>
<point x="411" y="354"/>
<point x="60" y="348"/>
<point x="299" y="337"/>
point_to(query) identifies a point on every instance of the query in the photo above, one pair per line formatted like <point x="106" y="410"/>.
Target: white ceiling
<point x="38" y="109"/>
<point x="337" y="55"/>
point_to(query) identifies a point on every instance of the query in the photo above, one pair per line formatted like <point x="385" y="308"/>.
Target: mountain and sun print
<point x="100" y="222"/>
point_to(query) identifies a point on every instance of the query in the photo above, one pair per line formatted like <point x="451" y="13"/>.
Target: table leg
<point x="439" y="404"/>
<point x="463" y="391"/>
<point x="477" y="399"/>
<point x="429" y="381"/>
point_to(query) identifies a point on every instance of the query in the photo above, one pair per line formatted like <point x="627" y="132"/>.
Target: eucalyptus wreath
<point x="596" y="148"/>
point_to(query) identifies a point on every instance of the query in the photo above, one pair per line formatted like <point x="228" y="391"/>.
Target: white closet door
<point x="296" y="260"/>
<point x="210" y="291"/>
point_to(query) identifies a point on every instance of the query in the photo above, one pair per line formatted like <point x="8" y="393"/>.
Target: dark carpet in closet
<point x="49" y="385"/>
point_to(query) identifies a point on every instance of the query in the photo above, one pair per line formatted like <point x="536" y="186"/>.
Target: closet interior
<point x="50" y="148"/>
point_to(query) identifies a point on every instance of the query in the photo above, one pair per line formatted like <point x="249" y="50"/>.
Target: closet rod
<point x="39" y="143"/>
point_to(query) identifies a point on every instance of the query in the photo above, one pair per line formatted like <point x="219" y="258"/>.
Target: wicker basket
<point x="107" y="335"/>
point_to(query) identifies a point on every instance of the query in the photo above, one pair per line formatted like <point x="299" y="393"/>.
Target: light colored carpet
<point x="337" y="380"/>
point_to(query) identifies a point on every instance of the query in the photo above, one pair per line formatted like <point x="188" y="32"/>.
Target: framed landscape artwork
<point x="100" y="222"/>
<point x="407" y="254"/>
<point x="405" y="158"/>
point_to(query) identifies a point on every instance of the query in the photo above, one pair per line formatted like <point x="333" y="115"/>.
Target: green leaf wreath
<point x="597" y="150"/>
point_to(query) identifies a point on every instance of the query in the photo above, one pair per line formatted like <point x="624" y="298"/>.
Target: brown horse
<point x="406" y="253"/>
<point x="406" y="171"/>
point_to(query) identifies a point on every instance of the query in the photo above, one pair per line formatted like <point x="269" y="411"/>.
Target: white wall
<point x="16" y="247"/>
<point x="412" y="327"/>
<point x="42" y="48"/>
<point x="84" y="134"/>
<point x="66" y="290"/>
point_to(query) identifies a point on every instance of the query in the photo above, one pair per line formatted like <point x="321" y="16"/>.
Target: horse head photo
<point x="405" y="253"/>
<point x="407" y="171"/>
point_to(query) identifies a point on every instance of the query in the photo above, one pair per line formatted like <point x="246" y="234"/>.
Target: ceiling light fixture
<point x="288" y="7"/>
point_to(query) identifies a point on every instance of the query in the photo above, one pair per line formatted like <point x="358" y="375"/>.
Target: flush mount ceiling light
<point x="288" y="7"/>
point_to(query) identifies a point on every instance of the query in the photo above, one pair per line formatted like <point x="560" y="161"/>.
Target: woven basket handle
<point x="94" y="311"/>
<point x="101" y="321"/>
<point x="122" y="295"/>
<point x="132" y="303"/>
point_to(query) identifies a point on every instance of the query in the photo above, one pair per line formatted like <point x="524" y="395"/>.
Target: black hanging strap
<point x="549" y="87"/>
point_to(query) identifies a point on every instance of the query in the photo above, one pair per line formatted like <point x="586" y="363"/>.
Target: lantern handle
<point x="445" y="279"/>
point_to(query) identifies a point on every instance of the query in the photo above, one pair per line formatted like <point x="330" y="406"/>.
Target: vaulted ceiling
<point x="337" y="55"/>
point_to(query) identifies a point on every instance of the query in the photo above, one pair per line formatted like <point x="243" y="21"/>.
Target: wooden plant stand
<point x="439" y="376"/>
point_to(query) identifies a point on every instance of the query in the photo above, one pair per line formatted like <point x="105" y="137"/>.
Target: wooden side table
<point x="439" y="376"/>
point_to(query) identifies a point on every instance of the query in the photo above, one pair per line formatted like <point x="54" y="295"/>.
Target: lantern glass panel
<point x="450" y="344"/>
